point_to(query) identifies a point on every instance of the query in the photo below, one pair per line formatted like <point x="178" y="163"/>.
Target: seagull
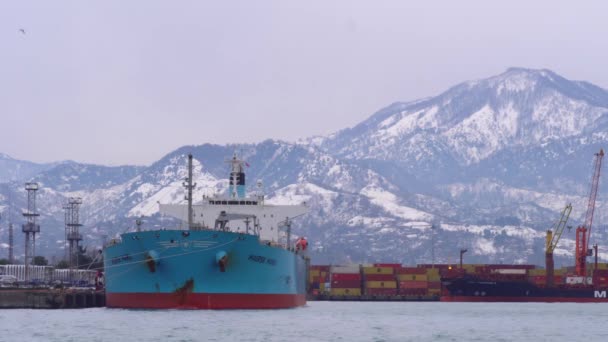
<point x="22" y="31"/>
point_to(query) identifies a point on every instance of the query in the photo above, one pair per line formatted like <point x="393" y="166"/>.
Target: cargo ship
<point x="582" y="283"/>
<point x="236" y="253"/>
<point x="476" y="288"/>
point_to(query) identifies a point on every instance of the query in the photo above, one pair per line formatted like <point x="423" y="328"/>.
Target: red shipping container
<point x="379" y="277"/>
<point x="346" y="276"/>
<point x="412" y="284"/>
<point x="388" y="265"/>
<point x="434" y="284"/>
<point x="383" y="292"/>
<point x="346" y="284"/>
<point x="411" y="270"/>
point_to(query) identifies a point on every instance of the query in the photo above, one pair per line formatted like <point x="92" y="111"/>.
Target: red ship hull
<point x="203" y="301"/>
<point x="498" y="299"/>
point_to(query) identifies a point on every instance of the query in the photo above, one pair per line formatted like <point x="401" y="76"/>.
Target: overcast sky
<point x="125" y="82"/>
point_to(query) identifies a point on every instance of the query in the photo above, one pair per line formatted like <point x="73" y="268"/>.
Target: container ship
<point x="236" y="253"/>
<point x="523" y="283"/>
<point x="582" y="283"/>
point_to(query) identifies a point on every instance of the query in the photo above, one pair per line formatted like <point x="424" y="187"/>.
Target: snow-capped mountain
<point x="488" y="163"/>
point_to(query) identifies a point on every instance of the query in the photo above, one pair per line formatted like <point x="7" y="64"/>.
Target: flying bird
<point x="22" y="31"/>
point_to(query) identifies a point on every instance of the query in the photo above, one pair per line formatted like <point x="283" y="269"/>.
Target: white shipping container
<point x="575" y="280"/>
<point x="509" y="271"/>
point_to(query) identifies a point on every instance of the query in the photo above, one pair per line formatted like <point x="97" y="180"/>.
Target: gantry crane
<point x="583" y="233"/>
<point x="553" y="236"/>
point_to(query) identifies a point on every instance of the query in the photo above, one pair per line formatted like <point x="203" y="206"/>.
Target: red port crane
<point x="583" y="233"/>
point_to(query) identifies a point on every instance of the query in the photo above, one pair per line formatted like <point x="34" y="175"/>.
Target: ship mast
<point x="189" y="186"/>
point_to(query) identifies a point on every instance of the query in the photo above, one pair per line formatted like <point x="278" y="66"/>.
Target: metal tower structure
<point x="583" y="233"/>
<point x="189" y="186"/>
<point x="73" y="236"/>
<point x="30" y="228"/>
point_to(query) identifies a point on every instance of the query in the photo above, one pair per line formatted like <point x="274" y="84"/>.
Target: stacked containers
<point x="345" y="280"/>
<point x="538" y="276"/>
<point x="380" y="280"/>
<point x="318" y="278"/>
<point x="413" y="281"/>
<point x="434" y="281"/>
<point x="600" y="278"/>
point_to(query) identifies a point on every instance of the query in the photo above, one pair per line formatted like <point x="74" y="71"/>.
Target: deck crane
<point x="583" y="233"/>
<point x="553" y="236"/>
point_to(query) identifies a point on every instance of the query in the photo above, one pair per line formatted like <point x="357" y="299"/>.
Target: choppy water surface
<point x="318" y="321"/>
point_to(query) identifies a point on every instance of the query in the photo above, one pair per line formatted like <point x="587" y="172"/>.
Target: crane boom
<point x="583" y="233"/>
<point x="552" y="240"/>
<point x="558" y="229"/>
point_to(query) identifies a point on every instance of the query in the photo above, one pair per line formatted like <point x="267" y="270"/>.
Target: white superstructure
<point x="238" y="213"/>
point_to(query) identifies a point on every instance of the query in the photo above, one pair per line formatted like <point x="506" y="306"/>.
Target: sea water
<point x="318" y="321"/>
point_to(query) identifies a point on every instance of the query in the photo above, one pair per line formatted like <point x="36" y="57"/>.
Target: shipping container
<point x="503" y="266"/>
<point x="434" y="285"/>
<point x="381" y="284"/>
<point x="380" y="292"/>
<point x="412" y="277"/>
<point x="538" y="272"/>
<point x="345" y="283"/>
<point x="412" y="292"/>
<point x="437" y="266"/>
<point x="510" y="270"/>
<point x="378" y="270"/>
<point x="379" y="277"/>
<point x="346" y="269"/>
<point x="324" y="268"/>
<point x="345" y="292"/>
<point x="346" y="276"/>
<point x="413" y="284"/>
<point x="388" y="265"/>
<point x="411" y="270"/>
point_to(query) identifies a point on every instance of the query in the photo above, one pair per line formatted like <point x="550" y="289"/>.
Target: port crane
<point x="553" y="236"/>
<point x="583" y="233"/>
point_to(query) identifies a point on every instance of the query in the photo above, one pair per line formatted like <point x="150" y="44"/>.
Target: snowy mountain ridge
<point x="488" y="163"/>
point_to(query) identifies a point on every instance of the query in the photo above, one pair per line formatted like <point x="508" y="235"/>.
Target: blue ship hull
<point x="202" y="270"/>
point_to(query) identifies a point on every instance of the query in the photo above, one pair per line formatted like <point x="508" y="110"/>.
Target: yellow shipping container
<point x="434" y="291"/>
<point x="434" y="277"/>
<point x="432" y="271"/>
<point x="539" y="272"/>
<point x="381" y="284"/>
<point x="378" y="270"/>
<point x="345" y="292"/>
<point x="314" y="273"/>
<point x="412" y="277"/>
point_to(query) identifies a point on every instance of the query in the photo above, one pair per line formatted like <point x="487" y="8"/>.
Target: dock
<point x="51" y="299"/>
